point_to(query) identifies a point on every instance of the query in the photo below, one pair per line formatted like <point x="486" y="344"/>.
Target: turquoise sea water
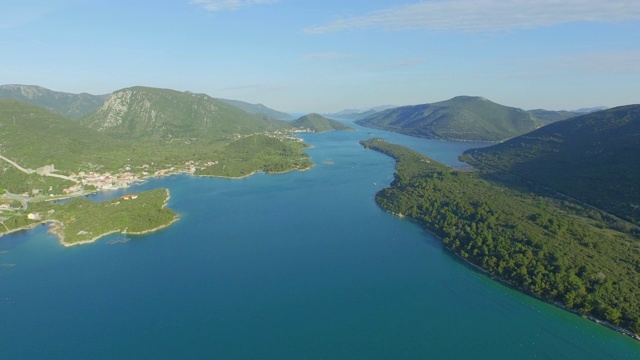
<point x="302" y="265"/>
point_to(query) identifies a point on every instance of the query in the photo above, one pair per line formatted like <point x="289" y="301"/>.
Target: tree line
<point x="547" y="247"/>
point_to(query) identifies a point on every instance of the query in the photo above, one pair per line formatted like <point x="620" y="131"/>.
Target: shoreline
<point x="434" y="138"/>
<point x="479" y="268"/>
<point x="160" y="227"/>
<point x="25" y="227"/>
<point x="123" y="232"/>
<point x="256" y="172"/>
<point x="59" y="231"/>
<point x="56" y="228"/>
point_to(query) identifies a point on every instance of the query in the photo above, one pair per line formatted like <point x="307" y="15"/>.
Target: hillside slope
<point x="554" y="250"/>
<point x="593" y="157"/>
<point x="257" y="109"/>
<point x="150" y="113"/>
<point x="460" y="118"/>
<point x="72" y="106"/>
<point x="550" y="116"/>
<point x="318" y="123"/>
<point x="34" y="137"/>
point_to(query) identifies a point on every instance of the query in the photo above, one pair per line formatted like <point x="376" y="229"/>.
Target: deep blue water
<point x="302" y="265"/>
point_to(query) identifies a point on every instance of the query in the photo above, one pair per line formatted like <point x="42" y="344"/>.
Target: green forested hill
<point x="594" y="158"/>
<point x="258" y="153"/>
<point x="72" y="106"/>
<point x="81" y="220"/>
<point x="353" y="114"/>
<point x="549" y="116"/>
<point x="34" y="137"/>
<point x="552" y="248"/>
<point x="257" y="109"/>
<point x="460" y="118"/>
<point x="318" y="123"/>
<point x="150" y="113"/>
<point x="357" y="114"/>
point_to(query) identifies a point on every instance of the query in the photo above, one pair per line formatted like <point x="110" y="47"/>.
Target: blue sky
<point x="325" y="56"/>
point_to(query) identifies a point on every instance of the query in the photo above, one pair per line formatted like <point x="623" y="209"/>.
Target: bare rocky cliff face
<point x="113" y="110"/>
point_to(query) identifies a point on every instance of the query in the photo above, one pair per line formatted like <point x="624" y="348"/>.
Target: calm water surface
<point x="301" y="265"/>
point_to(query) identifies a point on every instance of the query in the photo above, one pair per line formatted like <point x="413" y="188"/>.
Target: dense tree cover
<point x="554" y="249"/>
<point x="163" y="114"/>
<point x="34" y="137"/>
<point x="594" y="158"/>
<point x="71" y="106"/>
<point x="550" y="116"/>
<point x="460" y="118"/>
<point x="258" y="153"/>
<point x="83" y="219"/>
<point x="318" y="123"/>
<point x="257" y="109"/>
<point x="18" y="182"/>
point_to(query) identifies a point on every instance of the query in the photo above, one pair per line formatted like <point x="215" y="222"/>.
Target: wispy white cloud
<point x="220" y="5"/>
<point x="487" y="15"/>
<point x="327" y="56"/>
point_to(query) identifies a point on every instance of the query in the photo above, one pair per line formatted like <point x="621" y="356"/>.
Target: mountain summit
<point x="318" y="123"/>
<point x="72" y="106"/>
<point x="460" y="118"/>
<point x="151" y="113"/>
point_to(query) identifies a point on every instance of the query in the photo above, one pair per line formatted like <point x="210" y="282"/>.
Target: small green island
<point x="550" y="247"/>
<point x="81" y="221"/>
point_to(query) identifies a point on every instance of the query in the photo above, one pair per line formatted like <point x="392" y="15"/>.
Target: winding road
<point x="44" y="172"/>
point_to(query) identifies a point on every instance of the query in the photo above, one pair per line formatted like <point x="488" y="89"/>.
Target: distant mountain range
<point x="151" y="113"/>
<point x="318" y="123"/>
<point x="550" y="116"/>
<point x="72" y="106"/>
<point x="356" y="114"/>
<point x="592" y="157"/>
<point x="76" y="106"/>
<point x="460" y="118"/>
<point x="143" y="130"/>
<point x="33" y="137"/>
<point x="590" y="109"/>
<point x="257" y="109"/>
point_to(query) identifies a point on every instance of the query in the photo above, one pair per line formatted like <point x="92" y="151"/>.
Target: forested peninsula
<point x="546" y="246"/>
<point x="81" y="221"/>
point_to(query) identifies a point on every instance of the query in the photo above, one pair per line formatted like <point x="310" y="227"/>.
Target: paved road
<point x="31" y="171"/>
<point x="22" y="199"/>
<point x="28" y="171"/>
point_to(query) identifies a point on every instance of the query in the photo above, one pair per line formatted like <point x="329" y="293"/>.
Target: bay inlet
<point x="287" y="266"/>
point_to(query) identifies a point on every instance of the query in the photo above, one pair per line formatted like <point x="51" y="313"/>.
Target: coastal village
<point x="86" y="182"/>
